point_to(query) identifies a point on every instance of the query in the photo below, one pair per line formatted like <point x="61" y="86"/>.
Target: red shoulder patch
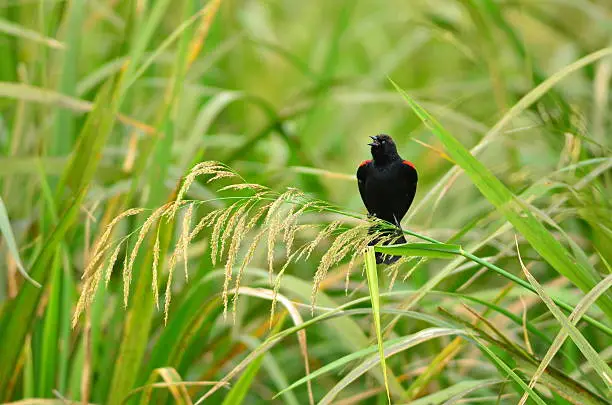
<point x="365" y="162"/>
<point x="409" y="163"/>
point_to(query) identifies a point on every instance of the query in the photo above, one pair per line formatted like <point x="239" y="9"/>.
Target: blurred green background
<point x="105" y="105"/>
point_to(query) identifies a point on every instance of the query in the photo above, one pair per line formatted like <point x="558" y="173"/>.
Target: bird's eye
<point x="384" y="142"/>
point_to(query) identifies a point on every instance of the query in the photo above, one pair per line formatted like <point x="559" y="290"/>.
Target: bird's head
<point x="383" y="148"/>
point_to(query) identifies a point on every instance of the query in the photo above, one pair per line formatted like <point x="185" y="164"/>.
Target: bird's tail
<point x="387" y="237"/>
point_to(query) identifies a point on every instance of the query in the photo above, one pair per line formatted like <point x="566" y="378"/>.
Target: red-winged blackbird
<point x="387" y="185"/>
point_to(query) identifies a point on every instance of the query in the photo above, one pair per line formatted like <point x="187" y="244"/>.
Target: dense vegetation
<point x="178" y="177"/>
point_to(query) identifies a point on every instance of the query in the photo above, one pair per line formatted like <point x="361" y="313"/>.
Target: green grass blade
<point x="7" y="232"/>
<point x="64" y="128"/>
<point x="180" y="333"/>
<point x="454" y="393"/>
<point x="49" y="356"/>
<point x="241" y="388"/>
<point x="523" y="104"/>
<point x="239" y="391"/>
<point x="277" y="372"/>
<point x="141" y="40"/>
<point x="372" y="275"/>
<point x="507" y="370"/>
<point x="447" y="251"/>
<point x="26" y="92"/>
<point x="431" y="250"/>
<point x="9" y="28"/>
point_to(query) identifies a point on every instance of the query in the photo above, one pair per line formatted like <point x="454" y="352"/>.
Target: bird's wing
<point x="362" y="173"/>
<point x="410" y="179"/>
<point x="409" y="171"/>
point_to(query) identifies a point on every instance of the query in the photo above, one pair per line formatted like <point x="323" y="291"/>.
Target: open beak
<point x="375" y="139"/>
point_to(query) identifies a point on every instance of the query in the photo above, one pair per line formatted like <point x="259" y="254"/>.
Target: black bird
<point x="387" y="185"/>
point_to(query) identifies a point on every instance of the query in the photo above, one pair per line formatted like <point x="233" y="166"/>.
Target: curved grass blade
<point x="25" y="92"/>
<point x="7" y="232"/>
<point x="276" y="371"/>
<point x="508" y="370"/>
<point x="172" y="382"/>
<point x="455" y="392"/>
<point x="19" y="31"/>
<point x="239" y="390"/>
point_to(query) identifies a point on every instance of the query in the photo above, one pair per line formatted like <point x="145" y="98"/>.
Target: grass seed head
<point x="203" y="168"/>
<point x="230" y="225"/>
<point x="111" y="264"/>
<point x="127" y="270"/>
<point x="324" y="233"/>
<point x="168" y="297"/>
<point x="245" y="262"/>
<point x="393" y="270"/>
<point x="102" y="244"/>
<point x="221" y="175"/>
<point x="274" y="228"/>
<point x="339" y="248"/>
<point x="185" y="238"/>
<point x="239" y="234"/>
<point x="154" y="283"/>
<point x="126" y="281"/>
<point x="277" y="285"/>
<point x="291" y="225"/>
<point x="216" y="232"/>
<point x="243" y="186"/>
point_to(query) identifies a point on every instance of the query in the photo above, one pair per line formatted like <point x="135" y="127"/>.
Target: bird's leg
<point x="397" y="222"/>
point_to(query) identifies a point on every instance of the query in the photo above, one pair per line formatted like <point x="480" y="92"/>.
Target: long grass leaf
<point x="372" y="275"/>
<point x="507" y="370"/>
<point x="26" y="92"/>
<point x="239" y="390"/>
<point x="431" y="250"/>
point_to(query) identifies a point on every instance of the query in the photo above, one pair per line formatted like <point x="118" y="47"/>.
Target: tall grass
<point x="176" y="181"/>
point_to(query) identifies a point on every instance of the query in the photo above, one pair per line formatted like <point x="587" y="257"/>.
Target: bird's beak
<point x="375" y="139"/>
